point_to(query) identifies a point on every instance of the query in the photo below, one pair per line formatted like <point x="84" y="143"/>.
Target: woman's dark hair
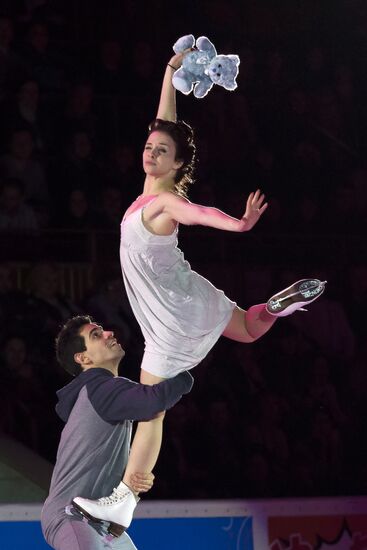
<point x="69" y="341"/>
<point x="183" y="136"/>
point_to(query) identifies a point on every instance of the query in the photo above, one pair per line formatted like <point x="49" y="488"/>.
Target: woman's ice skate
<point x="295" y="297"/>
<point x="117" y="509"/>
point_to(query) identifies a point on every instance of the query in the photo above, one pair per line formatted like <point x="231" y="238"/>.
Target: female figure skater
<point x="180" y="313"/>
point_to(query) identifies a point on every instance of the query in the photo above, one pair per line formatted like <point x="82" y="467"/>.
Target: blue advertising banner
<point x="224" y="533"/>
<point x="16" y="535"/>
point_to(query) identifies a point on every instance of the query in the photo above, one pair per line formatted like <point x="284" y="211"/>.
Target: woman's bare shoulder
<point x="169" y="197"/>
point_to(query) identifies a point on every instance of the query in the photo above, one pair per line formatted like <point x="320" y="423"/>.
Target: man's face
<point x="103" y="350"/>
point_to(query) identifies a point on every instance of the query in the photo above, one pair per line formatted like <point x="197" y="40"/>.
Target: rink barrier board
<point x="279" y="524"/>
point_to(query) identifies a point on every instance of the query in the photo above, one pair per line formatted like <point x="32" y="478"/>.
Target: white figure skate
<point x="295" y="297"/>
<point x="117" y="509"/>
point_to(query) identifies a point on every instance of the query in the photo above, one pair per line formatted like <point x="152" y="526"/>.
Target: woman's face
<point x="159" y="156"/>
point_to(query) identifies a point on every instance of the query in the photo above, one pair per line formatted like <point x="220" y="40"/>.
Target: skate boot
<point x="117" y="509"/>
<point x="295" y="297"/>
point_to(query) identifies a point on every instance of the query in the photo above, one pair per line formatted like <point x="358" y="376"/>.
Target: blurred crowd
<point x="78" y="87"/>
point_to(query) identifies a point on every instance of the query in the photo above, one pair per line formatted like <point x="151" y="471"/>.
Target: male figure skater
<point x="98" y="407"/>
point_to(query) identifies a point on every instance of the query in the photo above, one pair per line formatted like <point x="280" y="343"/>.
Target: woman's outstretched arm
<point x="167" y="101"/>
<point x="172" y="207"/>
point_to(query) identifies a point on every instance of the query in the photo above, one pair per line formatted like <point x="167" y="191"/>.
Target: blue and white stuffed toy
<point x="202" y="67"/>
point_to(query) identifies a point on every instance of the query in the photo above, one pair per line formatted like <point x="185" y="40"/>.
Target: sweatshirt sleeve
<point x="118" y="399"/>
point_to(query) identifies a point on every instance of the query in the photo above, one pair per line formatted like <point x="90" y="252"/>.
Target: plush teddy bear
<point x="202" y="67"/>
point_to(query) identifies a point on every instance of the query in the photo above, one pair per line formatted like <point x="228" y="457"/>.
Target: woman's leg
<point x="147" y="440"/>
<point x="118" y="508"/>
<point x="248" y="326"/>
<point x="244" y="326"/>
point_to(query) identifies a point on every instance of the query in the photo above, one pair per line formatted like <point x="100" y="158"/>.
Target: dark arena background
<point x="278" y="420"/>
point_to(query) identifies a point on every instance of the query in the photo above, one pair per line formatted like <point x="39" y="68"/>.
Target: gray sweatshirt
<point x="98" y="409"/>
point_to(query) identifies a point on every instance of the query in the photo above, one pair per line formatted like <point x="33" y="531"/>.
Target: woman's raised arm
<point x="167" y="101"/>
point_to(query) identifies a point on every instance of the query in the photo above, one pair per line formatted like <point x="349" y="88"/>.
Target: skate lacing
<point x="115" y="498"/>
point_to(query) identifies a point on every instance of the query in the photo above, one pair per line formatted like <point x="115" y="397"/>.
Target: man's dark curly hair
<point x="183" y="136"/>
<point x="69" y="341"/>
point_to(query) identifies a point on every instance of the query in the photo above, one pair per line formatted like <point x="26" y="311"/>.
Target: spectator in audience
<point x="296" y="120"/>
<point x="321" y="392"/>
<point x="121" y="171"/>
<point x="316" y="72"/>
<point x="20" y="163"/>
<point x="79" y="114"/>
<point x="356" y="302"/>
<point x="358" y="184"/>
<point x="221" y="431"/>
<point x="110" y="73"/>
<point x="270" y="426"/>
<point x="307" y="170"/>
<point x="15" y="305"/>
<point x="349" y="100"/>
<point x="324" y="420"/>
<point x="182" y="471"/>
<point x="141" y="77"/>
<point x="26" y="398"/>
<point x="78" y="214"/>
<point x="263" y="165"/>
<point x="307" y="213"/>
<point x="25" y="112"/>
<point x="77" y="169"/>
<point x="11" y="67"/>
<point x="344" y="206"/>
<point x="325" y="439"/>
<point x="249" y="376"/>
<point x="43" y="64"/>
<point x="256" y="480"/>
<point x="302" y="480"/>
<point x="13" y="301"/>
<point x="52" y="12"/>
<point x="15" y="215"/>
<point x="49" y="304"/>
<point x="109" y="217"/>
<point x="110" y="304"/>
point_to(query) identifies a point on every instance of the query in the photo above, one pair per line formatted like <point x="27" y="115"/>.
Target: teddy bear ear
<point x="235" y="59"/>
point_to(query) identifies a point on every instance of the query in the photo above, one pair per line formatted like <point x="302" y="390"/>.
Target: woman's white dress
<point x="180" y="313"/>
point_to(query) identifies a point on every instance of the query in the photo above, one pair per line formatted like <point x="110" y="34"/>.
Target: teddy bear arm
<point x="203" y="87"/>
<point x="182" y="81"/>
